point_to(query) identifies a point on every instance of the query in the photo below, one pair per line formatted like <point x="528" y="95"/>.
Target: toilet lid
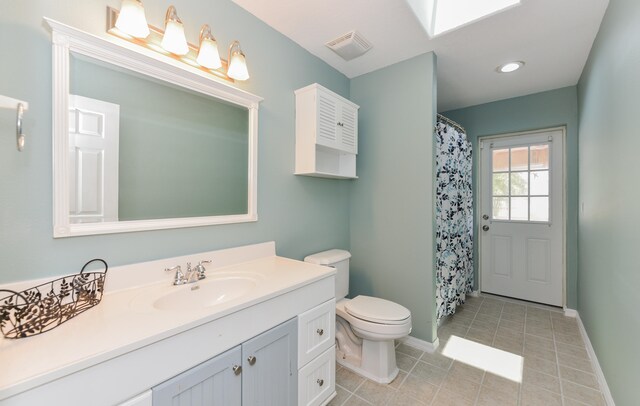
<point x="377" y="310"/>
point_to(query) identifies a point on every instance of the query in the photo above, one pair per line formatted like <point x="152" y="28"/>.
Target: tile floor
<point x="557" y="369"/>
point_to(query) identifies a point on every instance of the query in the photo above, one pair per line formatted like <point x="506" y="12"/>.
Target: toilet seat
<point x="376" y="310"/>
<point x="372" y="330"/>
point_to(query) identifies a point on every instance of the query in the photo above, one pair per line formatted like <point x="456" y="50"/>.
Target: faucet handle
<point x="201" y="269"/>
<point x="178" y="279"/>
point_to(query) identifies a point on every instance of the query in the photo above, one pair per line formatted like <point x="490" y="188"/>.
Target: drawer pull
<point x="320" y="331"/>
<point x="320" y="382"/>
<point x="237" y="369"/>
<point x="252" y="360"/>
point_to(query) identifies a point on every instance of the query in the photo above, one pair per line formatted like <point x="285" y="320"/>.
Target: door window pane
<point x="520" y="159"/>
<point x="539" y="156"/>
<point x="539" y="183"/>
<point x="540" y="208"/>
<point x="501" y="184"/>
<point x="519" y="183"/>
<point x="501" y="208"/>
<point x="500" y="160"/>
<point x="520" y="208"/>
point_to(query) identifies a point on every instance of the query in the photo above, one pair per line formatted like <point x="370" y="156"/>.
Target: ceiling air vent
<point x="350" y="45"/>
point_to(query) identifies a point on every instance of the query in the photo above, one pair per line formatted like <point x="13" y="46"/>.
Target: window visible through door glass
<point x="520" y="159"/>
<point x="501" y="160"/>
<point x="520" y="183"/>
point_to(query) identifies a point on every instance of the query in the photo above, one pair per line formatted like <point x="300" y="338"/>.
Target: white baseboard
<point x="594" y="361"/>
<point x="421" y="344"/>
<point x="570" y="312"/>
<point x="474" y="293"/>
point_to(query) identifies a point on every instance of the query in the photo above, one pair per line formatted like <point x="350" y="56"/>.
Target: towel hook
<point x="19" y="134"/>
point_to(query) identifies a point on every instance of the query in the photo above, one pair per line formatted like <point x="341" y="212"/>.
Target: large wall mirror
<point x="141" y="143"/>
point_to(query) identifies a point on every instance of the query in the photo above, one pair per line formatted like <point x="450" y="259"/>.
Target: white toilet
<point x="366" y="327"/>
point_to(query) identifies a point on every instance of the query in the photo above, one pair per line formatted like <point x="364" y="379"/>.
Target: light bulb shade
<point x="208" y="55"/>
<point x="132" y="20"/>
<point x="174" y="40"/>
<point x="237" y="63"/>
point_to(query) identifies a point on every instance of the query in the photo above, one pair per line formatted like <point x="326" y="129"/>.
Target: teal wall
<point x="609" y="262"/>
<point x="182" y="154"/>
<point x="542" y="110"/>
<point x="392" y="201"/>
<point x="302" y="214"/>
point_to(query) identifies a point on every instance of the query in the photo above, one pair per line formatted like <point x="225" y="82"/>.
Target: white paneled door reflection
<point x="94" y="128"/>
<point x="522" y="219"/>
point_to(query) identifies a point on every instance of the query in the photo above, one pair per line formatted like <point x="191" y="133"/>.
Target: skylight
<point x="440" y="16"/>
<point x="451" y="14"/>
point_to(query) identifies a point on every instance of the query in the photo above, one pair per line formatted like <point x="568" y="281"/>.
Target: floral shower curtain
<point x="454" y="218"/>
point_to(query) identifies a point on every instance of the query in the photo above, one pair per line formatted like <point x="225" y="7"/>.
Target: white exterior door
<point x="94" y="138"/>
<point x="521" y="216"/>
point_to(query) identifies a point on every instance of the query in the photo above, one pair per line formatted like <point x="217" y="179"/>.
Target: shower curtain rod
<point x="453" y="123"/>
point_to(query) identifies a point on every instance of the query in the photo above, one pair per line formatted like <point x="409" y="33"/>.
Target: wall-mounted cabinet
<point x="326" y="134"/>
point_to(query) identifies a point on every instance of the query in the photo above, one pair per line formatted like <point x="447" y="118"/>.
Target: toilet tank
<point x="338" y="259"/>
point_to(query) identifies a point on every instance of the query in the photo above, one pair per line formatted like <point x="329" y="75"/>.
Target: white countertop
<point x="125" y="321"/>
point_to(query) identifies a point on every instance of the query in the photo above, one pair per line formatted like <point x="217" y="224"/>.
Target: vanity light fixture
<point x="208" y="55"/>
<point x="237" y="62"/>
<point x="131" y="19"/>
<point x="172" y="43"/>
<point x="510" y="67"/>
<point x="174" y="40"/>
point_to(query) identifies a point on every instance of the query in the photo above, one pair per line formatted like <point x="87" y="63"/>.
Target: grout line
<point x="524" y="340"/>
<point x="555" y="348"/>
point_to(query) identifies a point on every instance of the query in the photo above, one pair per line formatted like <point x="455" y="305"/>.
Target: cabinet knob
<point x="320" y="382"/>
<point x="320" y="331"/>
<point x="252" y="360"/>
<point x="237" y="369"/>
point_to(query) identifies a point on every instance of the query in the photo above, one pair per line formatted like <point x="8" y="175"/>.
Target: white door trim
<point x="478" y="211"/>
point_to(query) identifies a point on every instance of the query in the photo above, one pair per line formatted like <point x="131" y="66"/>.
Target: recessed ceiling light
<point x="510" y="67"/>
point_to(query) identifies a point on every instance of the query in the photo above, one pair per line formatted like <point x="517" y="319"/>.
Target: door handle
<point x="485" y="228"/>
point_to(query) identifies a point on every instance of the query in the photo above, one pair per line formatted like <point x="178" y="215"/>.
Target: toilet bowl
<point x="366" y="327"/>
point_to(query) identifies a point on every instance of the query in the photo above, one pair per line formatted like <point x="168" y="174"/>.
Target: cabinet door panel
<point x="269" y="367"/>
<point x="349" y="129"/>
<point x="327" y="134"/>
<point x="211" y="383"/>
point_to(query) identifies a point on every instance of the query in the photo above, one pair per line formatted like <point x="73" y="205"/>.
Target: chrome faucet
<point x="179" y="278"/>
<point x="192" y="274"/>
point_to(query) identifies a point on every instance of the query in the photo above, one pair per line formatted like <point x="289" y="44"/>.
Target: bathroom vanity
<point x="259" y="329"/>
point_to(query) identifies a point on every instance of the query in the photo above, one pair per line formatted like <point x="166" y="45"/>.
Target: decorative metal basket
<point x="45" y="307"/>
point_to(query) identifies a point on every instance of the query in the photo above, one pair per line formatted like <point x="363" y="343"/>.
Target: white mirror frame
<point x="66" y="39"/>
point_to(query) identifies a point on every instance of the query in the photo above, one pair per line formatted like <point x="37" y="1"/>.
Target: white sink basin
<point x="208" y="292"/>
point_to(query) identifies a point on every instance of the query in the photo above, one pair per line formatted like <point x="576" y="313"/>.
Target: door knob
<point x="252" y="360"/>
<point x="485" y="228"/>
<point x="485" y="217"/>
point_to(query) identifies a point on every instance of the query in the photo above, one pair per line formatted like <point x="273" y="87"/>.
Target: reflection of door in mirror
<point x="93" y="160"/>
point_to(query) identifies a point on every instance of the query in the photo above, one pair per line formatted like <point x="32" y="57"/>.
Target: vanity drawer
<point x="316" y="331"/>
<point x="317" y="380"/>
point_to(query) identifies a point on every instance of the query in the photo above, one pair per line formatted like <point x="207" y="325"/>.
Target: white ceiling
<point x="553" y="37"/>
